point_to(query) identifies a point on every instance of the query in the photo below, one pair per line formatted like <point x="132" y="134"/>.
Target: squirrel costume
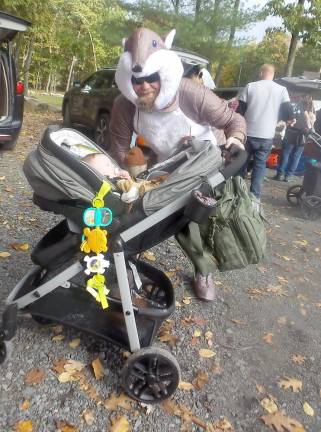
<point x="181" y="108"/>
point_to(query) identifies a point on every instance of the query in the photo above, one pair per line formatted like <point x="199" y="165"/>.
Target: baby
<point x="104" y="166"/>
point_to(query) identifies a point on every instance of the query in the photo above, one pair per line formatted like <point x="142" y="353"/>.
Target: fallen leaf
<point x="20" y="246"/>
<point x="190" y="320"/>
<point x="195" y="341"/>
<point x="35" y="376"/>
<point x="75" y="343"/>
<point x="220" y="426"/>
<point x="149" y="256"/>
<point x="308" y="409"/>
<point x="58" y="365"/>
<point x="269" y="405"/>
<point x="197" y="333"/>
<point x="277" y="290"/>
<point x="114" y="402"/>
<point x="287" y="383"/>
<point x="73" y="366"/>
<point x="238" y="322"/>
<point x="255" y="293"/>
<point x="186" y="300"/>
<point x="282" y="279"/>
<point x="200" y="380"/>
<point x="88" y="416"/>
<point x="282" y="423"/>
<point x="268" y="338"/>
<point x="209" y="335"/>
<point x="66" y="377"/>
<point x="282" y="320"/>
<point x="4" y="254"/>
<point x="58" y="338"/>
<point x="183" y="412"/>
<point x="63" y="426"/>
<point x="25" y="405"/>
<point x="260" y="388"/>
<point x="120" y="424"/>
<point x="168" y="338"/>
<point x="57" y="329"/>
<point x="23" y="426"/>
<point x="300" y="242"/>
<point x="206" y="353"/>
<point x="183" y="385"/>
<point x="298" y="359"/>
<point x="98" y="369"/>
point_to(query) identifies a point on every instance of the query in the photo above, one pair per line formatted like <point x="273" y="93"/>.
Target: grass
<point x="47" y="98"/>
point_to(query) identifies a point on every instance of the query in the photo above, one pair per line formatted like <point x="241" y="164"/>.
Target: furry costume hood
<point x="146" y="53"/>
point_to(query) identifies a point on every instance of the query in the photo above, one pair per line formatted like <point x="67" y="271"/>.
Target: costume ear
<point x="123" y="42"/>
<point x="169" y="39"/>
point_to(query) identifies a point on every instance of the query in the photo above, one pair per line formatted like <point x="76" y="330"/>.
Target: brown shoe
<point x="204" y="287"/>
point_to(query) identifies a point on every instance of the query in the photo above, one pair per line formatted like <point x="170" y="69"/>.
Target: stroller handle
<point x="232" y="169"/>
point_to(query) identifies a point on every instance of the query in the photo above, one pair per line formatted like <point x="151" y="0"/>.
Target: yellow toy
<point x="95" y="241"/>
<point x="97" y="283"/>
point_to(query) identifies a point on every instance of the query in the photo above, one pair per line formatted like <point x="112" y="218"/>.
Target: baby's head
<point x="101" y="163"/>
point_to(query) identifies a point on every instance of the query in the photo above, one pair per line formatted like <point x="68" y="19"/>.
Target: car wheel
<point x="8" y="145"/>
<point x="102" y="136"/>
<point x="66" y="115"/>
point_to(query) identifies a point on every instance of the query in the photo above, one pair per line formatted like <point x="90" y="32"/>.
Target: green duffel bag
<point x="236" y="233"/>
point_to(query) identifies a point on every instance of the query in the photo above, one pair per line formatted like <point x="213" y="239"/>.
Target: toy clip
<point x="98" y="201"/>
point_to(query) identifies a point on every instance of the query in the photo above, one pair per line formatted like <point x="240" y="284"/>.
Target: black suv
<point x="11" y="90"/>
<point x="89" y="103"/>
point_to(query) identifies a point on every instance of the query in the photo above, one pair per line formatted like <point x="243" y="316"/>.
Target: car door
<point x="79" y="101"/>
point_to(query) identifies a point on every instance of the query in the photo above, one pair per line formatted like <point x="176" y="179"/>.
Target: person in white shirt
<point x="262" y="103"/>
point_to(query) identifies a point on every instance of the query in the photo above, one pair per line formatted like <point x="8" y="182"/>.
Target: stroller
<point x="140" y="296"/>
<point x="308" y="195"/>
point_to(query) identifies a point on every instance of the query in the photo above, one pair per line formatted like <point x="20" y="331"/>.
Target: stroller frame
<point x="160" y="383"/>
<point x="308" y="195"/>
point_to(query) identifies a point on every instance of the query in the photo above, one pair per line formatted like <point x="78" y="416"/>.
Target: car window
<point x="100" y="80"/>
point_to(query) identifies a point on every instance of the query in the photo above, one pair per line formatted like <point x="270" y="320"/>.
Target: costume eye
<point x="154" y="43"/>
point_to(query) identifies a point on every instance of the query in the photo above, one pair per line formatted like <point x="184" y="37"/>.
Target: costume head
<point x="146" y="53"/>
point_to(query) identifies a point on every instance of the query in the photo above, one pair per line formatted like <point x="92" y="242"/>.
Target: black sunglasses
<point x="149" y="79"/>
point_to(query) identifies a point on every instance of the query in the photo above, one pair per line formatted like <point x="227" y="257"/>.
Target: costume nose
<point x="137" y="68"/>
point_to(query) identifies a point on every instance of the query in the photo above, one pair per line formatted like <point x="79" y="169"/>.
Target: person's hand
<point x="291" y="122"/>
<point x="232" y="144"/>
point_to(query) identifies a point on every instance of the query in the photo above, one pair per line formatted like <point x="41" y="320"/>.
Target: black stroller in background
<point x="308" y="195"/>
<point x="140" y="296"/>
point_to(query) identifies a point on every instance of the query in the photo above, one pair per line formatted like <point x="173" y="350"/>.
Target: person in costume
<point x="164" y="108"/>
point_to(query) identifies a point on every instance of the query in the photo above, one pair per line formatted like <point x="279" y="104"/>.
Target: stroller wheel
<point x="151" y="375"/>
<point x="294" y="195"/>
<point x="5" y="351"/>
<point x="41" y="320"/>
<point x="311" y="207"/>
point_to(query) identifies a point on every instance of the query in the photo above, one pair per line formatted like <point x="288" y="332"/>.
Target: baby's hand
<point x="122" y="174"/>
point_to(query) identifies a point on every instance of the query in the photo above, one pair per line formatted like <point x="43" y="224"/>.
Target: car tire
<point x="102" y="136"/>
<point x="66" y="115"/>
<point x="8" y="145"/>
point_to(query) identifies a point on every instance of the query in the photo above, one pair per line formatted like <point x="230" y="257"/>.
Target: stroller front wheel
<point x="294" y="195"/>
<point x="5" y="351"/>
<point x="310" y="207"/>
<point x="151" y="375"/>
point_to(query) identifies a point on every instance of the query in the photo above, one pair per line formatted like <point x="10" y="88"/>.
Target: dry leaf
<point x="183" y="412"/>
<point x="4" y="254"/>
<point x="23" y="426"/>
<point x="268" y="338"/>
<point x="20" y="246"/>
<point x="195" y="341"/>
<point x="98" y="369"/>
<point x="269" y="405"/>
<point x="149" y="256"/>
<point x="75" y="343"/>
<point x="287" y="383"/>
<point x="200" y="380"/>
<point x="308" y="409"/>
<point x="282" y="320"/>
<point x="58" y="365"/>
<point x="168" y="338"/>
<point x="25" y="405"/>
<point x="209" y="335"/>
<point x="186" y="300"/>
<point x="260" y="388"/>
<point x="281" y="423"/>
<point x="255" y="293"/>
<point x="73" y="366"/>
<point x="118" y="401"/>
<point x="300" y="242"/>
<point x="88" y="417"/>
<point x="237" y="322"/>
<point x="57" y="329"/>
<point x="197" y="333"/>
<point x="220" y="426"/>
<point x="282" y="279"/>
<point x="183" y="385"/>
<point x="35" y="376"/>
<point x="190" y="320"/>
<point x="206" y="353"/>
<point x="277" y="290"/>
<point x="67" y="377"/>
<point x="298" y="359"/>
<point x="63" y="426"/>
<point x="58" y="338"/>
<point x="120" y="424"/>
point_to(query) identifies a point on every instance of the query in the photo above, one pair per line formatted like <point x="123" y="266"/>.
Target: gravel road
<point x="264" y="330"/>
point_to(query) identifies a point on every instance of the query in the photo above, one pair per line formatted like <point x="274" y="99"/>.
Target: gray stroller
<point x="141" y="297"/>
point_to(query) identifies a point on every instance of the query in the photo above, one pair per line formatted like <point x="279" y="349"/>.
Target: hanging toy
<point x="96" y="264"/>
<point x="95" y="240"/>
<point x="96" y="286"/>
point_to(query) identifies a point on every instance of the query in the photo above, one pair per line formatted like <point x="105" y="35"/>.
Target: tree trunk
<point x="198" y="5"/>
<point x="229" y="43"/>
<point x="27" y="65"/>
<point x="293" y="47"/>
<point x="71" y="72"/>
<point x="48" y="83"/>
<point x="175" y="3"/>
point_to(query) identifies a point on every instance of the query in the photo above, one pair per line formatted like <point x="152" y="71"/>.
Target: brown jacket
<point x="196" y="101"/>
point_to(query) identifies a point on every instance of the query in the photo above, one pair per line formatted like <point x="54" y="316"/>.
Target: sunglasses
<point x="149" y="79"/>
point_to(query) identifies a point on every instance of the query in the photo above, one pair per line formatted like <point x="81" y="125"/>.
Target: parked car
<point x="11" y="90"/>
<point x="89" y="103"/>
